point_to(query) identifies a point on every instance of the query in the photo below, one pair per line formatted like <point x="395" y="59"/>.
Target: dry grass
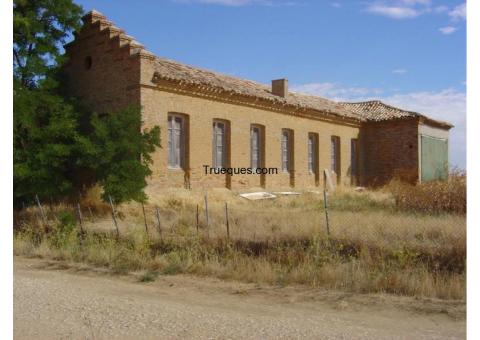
<point x="435" y="197"/>
<point x="373" y="247"/>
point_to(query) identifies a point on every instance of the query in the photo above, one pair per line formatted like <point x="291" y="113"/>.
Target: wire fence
<point x="201" y="217"/>
<point x="296" y="216"/>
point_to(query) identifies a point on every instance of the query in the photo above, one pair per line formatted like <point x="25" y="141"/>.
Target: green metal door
<point x="434" y="158"/>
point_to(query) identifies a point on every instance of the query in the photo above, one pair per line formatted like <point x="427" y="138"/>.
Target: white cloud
<point x="399" y="71"/>
<point x="399" y="9"/>
<point x="446" y="105"/>
<point x="238" y="3"/>
<point x="334" y="90"/>
<point x="440" y="9"/>
<point x="458" y="13"/>
<point x="395" y="12"/>
<point x="407" y="9"/>
<point x="447" y="29"/>
<point x="415" y="2"/>
<point x="220" y="2"/>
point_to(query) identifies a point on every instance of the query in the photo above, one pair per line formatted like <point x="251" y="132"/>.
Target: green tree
<point x="46" y="144"/>
<point x="124" y="154"/>
<point x="40" y="28"/>
<point x="61" y="148"/>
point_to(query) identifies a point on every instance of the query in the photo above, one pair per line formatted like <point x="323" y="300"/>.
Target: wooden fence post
<point x="44" y="217"/>
<point x="91" y="214"/>
<point x="50" y="203"/>
<point x="206" y="214"/>
<point x="80" y="218"/>
<point x="158" y="221"/>
<point x="197" y="219"/>
<point x="114" y="215"/>
<point x="325" y="205"/>
<point x="145" y="219"/>
<point x="226" y="221"/>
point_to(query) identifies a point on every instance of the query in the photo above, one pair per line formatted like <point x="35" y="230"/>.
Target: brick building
<point x="210" y="119"/>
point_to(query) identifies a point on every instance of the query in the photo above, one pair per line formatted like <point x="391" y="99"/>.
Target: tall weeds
<point x="434" y="197"/>
<point x="372" y="246"/>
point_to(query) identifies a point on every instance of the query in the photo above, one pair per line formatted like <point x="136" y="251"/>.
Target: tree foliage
<point x="40" y="27"/>
<point x="124" y="153"/>
<point x="60" y="147"/>
<point x="46" y="144"/>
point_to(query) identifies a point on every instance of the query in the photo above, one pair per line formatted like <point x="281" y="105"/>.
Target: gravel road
<point x="55" y="302"/>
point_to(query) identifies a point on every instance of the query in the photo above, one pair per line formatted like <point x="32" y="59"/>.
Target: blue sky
<point x="408" y="53"/>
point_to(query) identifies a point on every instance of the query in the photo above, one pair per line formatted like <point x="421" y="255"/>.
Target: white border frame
<point x="473" y="168"/>
<point x="6" y="178"/>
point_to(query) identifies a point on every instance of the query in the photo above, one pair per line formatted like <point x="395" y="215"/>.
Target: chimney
<point x="280" y="87"/>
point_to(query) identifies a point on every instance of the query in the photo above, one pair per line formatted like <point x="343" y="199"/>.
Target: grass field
<point x="376" y="242"/>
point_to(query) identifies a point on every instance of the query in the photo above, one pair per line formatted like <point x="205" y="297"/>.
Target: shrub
<point x="149" y="276"/>
<point x="61" y="233"/>
<point x="432" y="197"/>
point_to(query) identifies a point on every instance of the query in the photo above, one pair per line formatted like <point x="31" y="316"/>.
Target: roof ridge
<point x="209" y="71"/>
<point x="254" y="82"/>
<point x="174" y="71"/>
<point x="384" y="104"/>
<point x="397" y="108"/>
<point x="364" y="102"/>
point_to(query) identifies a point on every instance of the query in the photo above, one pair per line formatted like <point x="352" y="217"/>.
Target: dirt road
<point x="55" y="302"/>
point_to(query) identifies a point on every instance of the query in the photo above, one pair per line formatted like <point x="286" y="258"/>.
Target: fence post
<point x="226" y="220"/>
<point x="325" y="205"/>
<point x="44" y="217"/>
<point x="206" y="214"/>
<point x="145" y="219"/>
<point x="197" y="219"/>
<point x="80" y="218"/>
<point x="50" y="203"/>
<point x="114" y="215"/>
<point x="91" y="214"/>
<point x="158" y="221"/>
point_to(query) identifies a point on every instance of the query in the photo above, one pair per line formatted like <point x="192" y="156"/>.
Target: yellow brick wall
<point x="158" y="104"/>
<point x="120" y="77"/>
<point x="112" y="81"/>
